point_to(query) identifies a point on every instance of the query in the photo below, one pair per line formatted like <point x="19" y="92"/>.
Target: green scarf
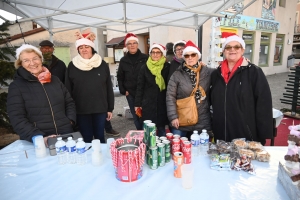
<point x="155" y="68"/>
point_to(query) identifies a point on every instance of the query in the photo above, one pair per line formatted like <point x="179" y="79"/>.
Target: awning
<point x="116" y="15"/>
<point x="118" y="41"/>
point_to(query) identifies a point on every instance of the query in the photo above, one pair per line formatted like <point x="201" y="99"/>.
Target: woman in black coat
<point x="38" y="103"/>
<point x="151" y="90"/>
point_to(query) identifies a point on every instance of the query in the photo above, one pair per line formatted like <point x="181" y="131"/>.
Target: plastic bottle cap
<point x="69" y="138"/>
<point x="59" y="138"/>
<point x="195" y="131"/>
<point x="79" y="139"/>
<point x="204" y="130"/>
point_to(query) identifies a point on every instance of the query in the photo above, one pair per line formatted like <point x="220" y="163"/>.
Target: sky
<point x="7" y="15"/>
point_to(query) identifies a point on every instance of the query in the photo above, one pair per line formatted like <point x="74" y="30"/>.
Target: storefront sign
<point x="250" y="23"/>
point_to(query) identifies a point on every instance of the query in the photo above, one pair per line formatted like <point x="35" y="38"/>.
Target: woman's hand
<point x="46" y="139"/>
<point x="175" y="123"/>
<point x="109" y="116"/>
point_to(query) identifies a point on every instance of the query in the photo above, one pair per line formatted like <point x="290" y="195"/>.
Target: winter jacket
<point x="39" y="109"/>
<point x="150" y="98"/>
<point x="174" y="65"/>
<point x="57" y="68"/>
<point x="91" y="90"/>
<point x="128" y="73"/>
<point x="179" y="87"/>
<point x="243" y="107"/>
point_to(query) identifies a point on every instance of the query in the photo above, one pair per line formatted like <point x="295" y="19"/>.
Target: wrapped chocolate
<point x="213" y="149"/>
<point x="247" y="152"/>
<point x="243" y="163"/>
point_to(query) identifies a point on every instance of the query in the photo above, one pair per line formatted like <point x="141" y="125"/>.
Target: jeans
<point x="108" y="127"/>
<point x="136" y="119"/>
<point x="161" y="131"/>
<point x="92" y="126"/>
<point x="178" y="132"/>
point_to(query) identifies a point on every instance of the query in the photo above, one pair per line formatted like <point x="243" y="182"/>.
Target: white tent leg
<point x="50" y="25"/>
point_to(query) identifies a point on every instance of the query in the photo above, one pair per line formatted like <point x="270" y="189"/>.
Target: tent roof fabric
<point x="63" y="15"/>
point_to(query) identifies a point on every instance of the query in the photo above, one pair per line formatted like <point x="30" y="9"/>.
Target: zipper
<point x="249" y="131"/>
<point x="225" y="111"/>
<point x="50" y="109"/>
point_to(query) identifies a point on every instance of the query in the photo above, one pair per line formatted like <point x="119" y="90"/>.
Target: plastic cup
<point x="39" y="145"/>
<point x="108" y="142"/>
<point x="96" y="145"/>
<point x="187" y="175"/>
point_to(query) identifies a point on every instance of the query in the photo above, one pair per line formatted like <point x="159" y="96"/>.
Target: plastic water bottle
<point x="60" y="147"/>
<point x="80" y="149"/>
<point x="71" y="150"/>
<point x="195" y="140"/>
<point x="204" y="140"/>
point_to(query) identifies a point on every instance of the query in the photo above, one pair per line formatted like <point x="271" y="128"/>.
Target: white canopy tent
<point x="62" y="15"/>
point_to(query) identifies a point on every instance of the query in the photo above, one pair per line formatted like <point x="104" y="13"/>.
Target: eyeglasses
<point x="155" y="52"/>
<point x="193" y="55"/>
<point x="131" y="44"/>
<point x="236" y="47"/>
<point x="178" y="50"/>
<point x="28" y="61"/>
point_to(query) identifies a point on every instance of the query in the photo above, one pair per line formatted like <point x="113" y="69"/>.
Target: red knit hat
<point x="229" y="37"/>
<point x="160" y="47"/>
<point x="190" y="46"/>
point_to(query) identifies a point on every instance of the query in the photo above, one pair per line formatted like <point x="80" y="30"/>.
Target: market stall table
<point x="32" y="178"/>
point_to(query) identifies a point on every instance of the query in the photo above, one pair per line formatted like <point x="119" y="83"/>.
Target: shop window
<point x="249" y="41"/>
<point x="278" y="49"/>
<point x="282" y="3"/>
<point x="264" y="49"/>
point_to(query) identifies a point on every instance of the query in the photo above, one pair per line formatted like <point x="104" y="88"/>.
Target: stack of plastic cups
<point x="96" y="155"/>
<point x="108" y="142"/>
<point x="39" y="145"/>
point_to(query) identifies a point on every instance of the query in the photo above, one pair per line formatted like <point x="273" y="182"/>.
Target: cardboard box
<point x="127" y="112"/>
<point x="284" y="175"/>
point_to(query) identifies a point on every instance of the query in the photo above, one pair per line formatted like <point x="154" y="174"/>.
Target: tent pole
<point x="50" y="25"/>
<point x="125" y="17"/>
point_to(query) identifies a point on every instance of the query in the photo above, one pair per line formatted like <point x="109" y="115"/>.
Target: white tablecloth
<point x="31" y="178"/>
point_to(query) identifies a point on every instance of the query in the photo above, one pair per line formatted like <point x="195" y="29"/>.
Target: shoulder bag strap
<point x="197" y="84"/>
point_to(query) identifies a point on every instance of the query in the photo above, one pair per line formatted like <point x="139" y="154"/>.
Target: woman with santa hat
<point x="88" y="80"/>
<point x="151" y="88"/>
<point x="37" y="102"/>
<point x="240" y="96"/>
<point x="180" y="86"/>
<point x="178" y="58"/>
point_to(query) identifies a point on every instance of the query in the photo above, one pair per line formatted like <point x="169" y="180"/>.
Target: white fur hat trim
<point x="27" y="46"/>
<point x="84" y="41"/>
<point x="233" y="38"/>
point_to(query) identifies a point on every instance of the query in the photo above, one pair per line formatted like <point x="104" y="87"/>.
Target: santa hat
<point x="28" y="46"/>
<point x="177" y="43"/>
<point x="191" y="47"/>
<point x="229" y="37"/>
<point x="128" y="37"/>
<point x="160" y="47"/>
<point x="85" y="39"/>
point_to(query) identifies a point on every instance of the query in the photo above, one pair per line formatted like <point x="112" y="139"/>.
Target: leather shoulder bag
<point x="187" y="109"/>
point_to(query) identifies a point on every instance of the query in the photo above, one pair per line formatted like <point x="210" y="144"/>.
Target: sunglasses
<point x="236" y="47"/>
<point x="193" y="55"/>
<point x="155" y="52"/>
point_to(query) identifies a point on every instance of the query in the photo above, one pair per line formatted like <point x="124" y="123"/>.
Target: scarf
<point x="87" y="64"/>
<point x="225" y="69"/>
<point x="155" y="68"/>
<point x="192" y="72"/>
<point x="44" y="76"/>
<point x="179" y="60"/>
